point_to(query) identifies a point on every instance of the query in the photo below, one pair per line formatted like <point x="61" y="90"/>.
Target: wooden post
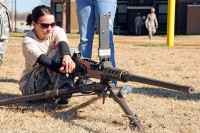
<point x="63" y="25"/>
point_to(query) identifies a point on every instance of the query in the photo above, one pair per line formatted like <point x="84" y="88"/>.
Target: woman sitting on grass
<point x="47" y="54"/>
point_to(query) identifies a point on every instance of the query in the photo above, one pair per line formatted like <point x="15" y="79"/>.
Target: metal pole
<point x="13" y="3"/>
<point x="170" y="22"/>
<point x="15" y="14"/>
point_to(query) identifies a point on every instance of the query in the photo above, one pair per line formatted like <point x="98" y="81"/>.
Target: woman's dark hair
<point x="38" y="12"/>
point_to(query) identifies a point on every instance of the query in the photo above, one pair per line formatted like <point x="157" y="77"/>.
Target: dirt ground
<point x="159" y="109"/>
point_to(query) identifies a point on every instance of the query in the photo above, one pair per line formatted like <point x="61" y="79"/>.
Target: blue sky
<point x="25" y="5"/>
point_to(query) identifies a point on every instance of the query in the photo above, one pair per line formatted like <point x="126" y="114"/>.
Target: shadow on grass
<point x="165" y="93"/>
<point x="72" y="114"/>
<point x="9" y="80"/>
<point x="68" y="114"/>
<point x="50" y="108"/>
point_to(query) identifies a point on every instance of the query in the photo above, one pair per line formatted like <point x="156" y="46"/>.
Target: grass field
<point x="159" y="109"/>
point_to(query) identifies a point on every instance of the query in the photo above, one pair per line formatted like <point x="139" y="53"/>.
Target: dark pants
<point x="41" y="78"/>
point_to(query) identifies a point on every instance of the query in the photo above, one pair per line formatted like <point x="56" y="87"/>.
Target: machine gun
<point x="102" y="70"/>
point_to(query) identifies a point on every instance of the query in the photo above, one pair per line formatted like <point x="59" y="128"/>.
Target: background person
<point x="151" y="23"/>
<point x="47" y="54"/>
<point x="87" y="13"/>
<point x="4" y="28"/>
<point x="138" y="23"/>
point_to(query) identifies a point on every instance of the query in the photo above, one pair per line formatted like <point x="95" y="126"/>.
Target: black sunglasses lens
<point x="47" y="25"/>
<point x="53" y="24"/>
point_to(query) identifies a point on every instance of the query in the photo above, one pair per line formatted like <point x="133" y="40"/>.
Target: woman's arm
<point x="68" y="64"/>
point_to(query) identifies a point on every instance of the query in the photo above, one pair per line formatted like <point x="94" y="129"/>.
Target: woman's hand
<point x="68" y="65"/>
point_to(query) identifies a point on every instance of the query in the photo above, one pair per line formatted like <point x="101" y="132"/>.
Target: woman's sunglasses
<point x="45" y="26"/>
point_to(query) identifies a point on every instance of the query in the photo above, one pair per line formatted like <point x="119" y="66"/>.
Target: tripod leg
<point x="134" y="121"/>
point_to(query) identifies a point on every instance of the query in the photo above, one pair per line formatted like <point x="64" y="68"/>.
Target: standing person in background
<point x="138" y="24"/>
<point x="47" y="55"/>
<point x="87" y="13"/>
<point x="151" y="23"/>
<point x="4" y="28"/>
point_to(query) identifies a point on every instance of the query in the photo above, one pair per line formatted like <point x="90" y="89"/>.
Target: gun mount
<point x="102" y="70"/>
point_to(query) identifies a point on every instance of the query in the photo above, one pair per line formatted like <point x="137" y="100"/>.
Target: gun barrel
<point x="124" y="76"/>
<point x="173" y="86"/>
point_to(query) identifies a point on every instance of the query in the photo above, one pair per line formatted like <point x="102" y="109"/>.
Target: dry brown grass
<point x="160" y="110"/>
